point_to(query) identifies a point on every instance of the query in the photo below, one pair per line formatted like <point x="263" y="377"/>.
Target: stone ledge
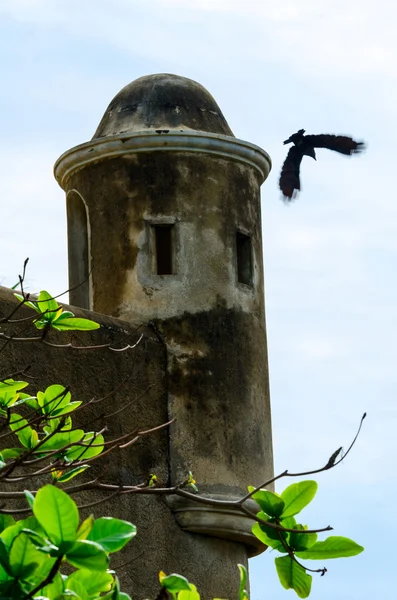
<point x="100" y="149"/>
<point x="222" y="522"/>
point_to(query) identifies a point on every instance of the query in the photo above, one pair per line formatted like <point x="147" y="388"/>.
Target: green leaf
<point x="4" y="557"/>
<point x="94" y="582"/>
<point x="333" y="547"/>
<point x="301" y="541"/>
<point x="67" y="409"/>
<point x="72" y="473"/>
<point x="25" y="435"/>
<point x="55" y="424"/>
<point x="11" y="532"/>
<point x="93" y="445"/>
<point x="40" y="543"/>
<point x="55" y="589"/>
<point x="10" y="385"/>
<point x="57" y="514"/>
<point x="297" y="496"/>
<point x="271" y="534"/>
<point x="293" y="576"/>
<point x="34" y="438"/>
<point x="29" y="497"/>
<point x="23" y="556"/>
<point x="112" y="534"/>
<point x="192" y="594"/>
<point x="269" y="502"/>
<point x="9" y="588"/>
<point x="27" y="303"/>
<point x="30" y="401"/>
<point x="259" y="531"/>
<point x="85" y="528"/>
<point x="115" y="593"/>
<point x="289" y="522"/>
<point x="54" y="398"/>
<point x="78" y="588"/>
<point x="74" y="324"/>
<point x="60" y="440"/>
<point x="174" y="583"/>
<point x="6" y="521"/>
<point x="243" y="594"/>
<point x="8" y="453"/>
<point x="9" y="392"/>
<point x="66" y="314"/>
<point x="88" y="555"/>
<point x="48" y="305"/>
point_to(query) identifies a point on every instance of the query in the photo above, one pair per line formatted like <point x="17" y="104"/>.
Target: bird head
<point x="296" y="137"/>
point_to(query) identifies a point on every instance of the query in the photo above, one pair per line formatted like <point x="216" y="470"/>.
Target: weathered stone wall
<point x="140" y="403"/>
<point x="214" y="326"/>
<point x="164" y="226"/>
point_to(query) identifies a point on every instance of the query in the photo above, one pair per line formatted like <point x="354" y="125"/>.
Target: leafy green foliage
<point x="191" y="594"/>
<point x="271" y="504"/>
<point x="111" y="534"/>
<point x="57" y="514"/>
<point x="31" y="548"/>
<point x="54" y="435"/>
<point x="297" y="496"/>
<point x="267" y="535"/>
<point x="301" y="541"/>
<point x="180" y="588"/>
<point x="332" y="547"/>
<point x="10" y="394"/>
<point x="276" y="517"/>
<point x="6" y="521"/>
<point x="27" y="436"/>
<point x="242" y="592"/>
<point x="56" y="401"/>
<point x="174" y="583"/>
<point x="51" y="314"/>
<point x="61" y="477"/>
<point x="293" y="576"/>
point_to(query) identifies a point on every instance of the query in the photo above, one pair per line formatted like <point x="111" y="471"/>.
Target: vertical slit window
<point x="244" y="258"/>
<point x="78" y="250"/>
<point x="163" y="238"/>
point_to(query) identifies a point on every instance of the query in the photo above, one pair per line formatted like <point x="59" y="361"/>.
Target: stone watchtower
<point x="164" y="227"/>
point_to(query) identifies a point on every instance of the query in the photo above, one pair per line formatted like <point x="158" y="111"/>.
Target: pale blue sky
<point x="330" y="257"/>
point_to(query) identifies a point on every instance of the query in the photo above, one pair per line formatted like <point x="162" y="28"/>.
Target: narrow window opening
<point x="164" y="249"/>
<point x="244" y="258"/>
<point x="78" y="251"/>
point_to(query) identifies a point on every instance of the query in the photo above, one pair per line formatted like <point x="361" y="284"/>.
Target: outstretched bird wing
<point x="289" y="179"/>
<point x="339" y="143"/>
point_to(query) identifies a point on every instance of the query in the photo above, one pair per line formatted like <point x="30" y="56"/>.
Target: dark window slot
<point x="164" y="251"/>
<point x="78" y="250"/>
<point x="244" y="258"/>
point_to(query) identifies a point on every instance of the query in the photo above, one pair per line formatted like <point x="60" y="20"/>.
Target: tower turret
<point x="164" y="227"/>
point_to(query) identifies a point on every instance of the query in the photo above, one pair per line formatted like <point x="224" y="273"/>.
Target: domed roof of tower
<point x="162" y="102"/>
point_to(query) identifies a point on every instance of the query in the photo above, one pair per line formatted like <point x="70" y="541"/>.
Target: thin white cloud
<point x="312" y="37"/>
<point x="332" y="34"/>
<point x="33" y="209"/>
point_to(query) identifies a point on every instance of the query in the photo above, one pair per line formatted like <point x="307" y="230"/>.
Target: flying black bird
<point x="304" y="146"/>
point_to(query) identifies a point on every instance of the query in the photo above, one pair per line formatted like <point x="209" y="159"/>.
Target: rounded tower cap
<point x="162" y="102"/>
